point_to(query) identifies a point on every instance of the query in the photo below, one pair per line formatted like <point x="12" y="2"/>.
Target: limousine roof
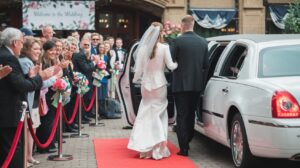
<point x="256" y="37"/>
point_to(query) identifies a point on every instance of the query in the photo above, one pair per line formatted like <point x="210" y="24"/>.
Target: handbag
<point x="42" y="110"/>
<point x="112" y="108"/>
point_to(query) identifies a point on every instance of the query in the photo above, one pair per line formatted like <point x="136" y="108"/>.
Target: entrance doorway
<point x="123" y="21"/>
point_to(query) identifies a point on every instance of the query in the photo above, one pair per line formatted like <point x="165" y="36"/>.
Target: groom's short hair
<point x="188" y="21"/>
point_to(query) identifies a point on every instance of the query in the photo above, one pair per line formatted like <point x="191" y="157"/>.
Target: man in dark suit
<point x="83" y="63"/>
<point x="13" y="90"/>
<point x="190" y="52"/>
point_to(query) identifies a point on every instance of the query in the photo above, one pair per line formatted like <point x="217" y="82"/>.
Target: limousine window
<point x="234" y="62"/>
<point x="214" y="56"/>
<point x="279" y="61"/>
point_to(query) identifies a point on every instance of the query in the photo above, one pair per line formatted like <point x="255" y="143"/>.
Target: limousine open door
<point x="130" y="93"/>
<point x="215" y="49"/>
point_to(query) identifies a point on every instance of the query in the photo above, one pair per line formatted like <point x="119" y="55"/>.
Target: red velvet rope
<point x="13" y="145"/>
<point x="47" y="143"/>
<point x="74" y="111"/>
<point x="91" y="103"/>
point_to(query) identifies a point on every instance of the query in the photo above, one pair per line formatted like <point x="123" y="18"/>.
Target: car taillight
<point x="284" y="105"/>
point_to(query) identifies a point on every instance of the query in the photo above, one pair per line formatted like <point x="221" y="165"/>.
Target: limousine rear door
<point x="215" y="50"/>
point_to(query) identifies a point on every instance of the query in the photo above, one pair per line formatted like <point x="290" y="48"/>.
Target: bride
<point x="150" y="131"/>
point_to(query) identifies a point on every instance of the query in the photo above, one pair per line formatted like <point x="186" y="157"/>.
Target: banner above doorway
<point x="62" y="15"/>
<point x="213" y="18"/>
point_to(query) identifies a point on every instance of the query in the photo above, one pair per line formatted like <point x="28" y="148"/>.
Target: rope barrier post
<point x="96" y="124"/>
<point x="25" y="127"/>
<point x="17" y="135"/>
<point x="79" y="134"/>
<point x="60" y="156"/>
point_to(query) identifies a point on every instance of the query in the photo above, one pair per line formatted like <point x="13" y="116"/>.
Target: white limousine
<point x="251" y="100"/>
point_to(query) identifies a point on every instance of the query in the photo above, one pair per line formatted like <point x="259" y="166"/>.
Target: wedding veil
<point x="143" y="52"/>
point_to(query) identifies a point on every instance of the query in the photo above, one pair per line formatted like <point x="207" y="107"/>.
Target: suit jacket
<point x="13" y="89"/>
<point x="154" y="72"/>
<point x="83" y="65"/>
<point x="191" y="53"/>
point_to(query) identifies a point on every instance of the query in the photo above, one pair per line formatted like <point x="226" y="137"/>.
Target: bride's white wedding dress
<point x="150" y="131"/>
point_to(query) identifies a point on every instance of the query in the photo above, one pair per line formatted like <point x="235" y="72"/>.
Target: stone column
<point x="251" y="17"/>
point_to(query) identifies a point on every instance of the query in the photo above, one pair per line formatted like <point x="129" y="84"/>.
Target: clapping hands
<point x="51" y="71"/>
<point x="96" y="58"/>
<point x="4" y="70"/>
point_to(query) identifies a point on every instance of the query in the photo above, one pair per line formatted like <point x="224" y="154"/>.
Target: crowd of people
<point x="30" y="65"/>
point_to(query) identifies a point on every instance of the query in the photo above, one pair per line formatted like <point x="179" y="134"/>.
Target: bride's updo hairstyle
<point x="159" y="39"/>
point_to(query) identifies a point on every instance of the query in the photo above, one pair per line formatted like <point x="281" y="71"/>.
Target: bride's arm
<point x="168" y="59"/>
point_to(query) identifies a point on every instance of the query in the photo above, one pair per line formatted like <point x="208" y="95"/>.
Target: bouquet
<point x="171" y="31"/>
<point x="62" y="87"/>
<point x="100" y="73"/>
<point x="81" y="82"/>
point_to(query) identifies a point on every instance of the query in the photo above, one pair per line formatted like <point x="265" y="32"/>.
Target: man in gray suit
<point x="191" y="53"/>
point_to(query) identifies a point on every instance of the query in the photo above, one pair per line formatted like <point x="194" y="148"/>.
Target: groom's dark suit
<point x="190" y="52"/>
<point x="13" y="90"/>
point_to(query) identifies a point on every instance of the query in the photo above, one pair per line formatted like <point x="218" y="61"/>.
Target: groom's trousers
<point x="186" y="103"/>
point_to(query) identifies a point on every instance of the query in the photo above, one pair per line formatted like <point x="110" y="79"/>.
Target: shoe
<point x="183" y="152"/>
<point x="92" y="115"/>
<point x="84" y="122"/>
<point x="86" y="118"/>
<point x="29" y="165"/>
<point x="34" y="162"/>
<point x="127" y="127"/>
<point x="71" y="130"/>
<point x="44" y="151"/>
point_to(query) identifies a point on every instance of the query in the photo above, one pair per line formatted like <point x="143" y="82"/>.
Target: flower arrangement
<point x="171" y="31"/>
<point x="81" y="82"/>
<point x="62" y="87"/>
<point x="100" y="73"/>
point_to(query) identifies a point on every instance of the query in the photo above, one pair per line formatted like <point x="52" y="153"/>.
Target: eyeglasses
<point x="86" y="45"/>
<point x="95" y="39"/>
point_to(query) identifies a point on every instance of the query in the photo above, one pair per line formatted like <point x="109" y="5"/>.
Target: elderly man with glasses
<point x="13" y="90"/>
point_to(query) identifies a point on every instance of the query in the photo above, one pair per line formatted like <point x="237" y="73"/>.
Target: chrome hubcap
<point x="237" y="143"/>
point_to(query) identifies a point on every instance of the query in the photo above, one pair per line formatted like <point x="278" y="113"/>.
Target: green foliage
<point x="292" y="22"/>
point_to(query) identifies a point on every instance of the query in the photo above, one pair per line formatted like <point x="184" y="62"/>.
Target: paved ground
<point x="204" y="152"/>
<point x="83" y="151"/>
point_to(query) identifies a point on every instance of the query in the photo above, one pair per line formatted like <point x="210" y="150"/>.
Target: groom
<point x="191" y="53"/>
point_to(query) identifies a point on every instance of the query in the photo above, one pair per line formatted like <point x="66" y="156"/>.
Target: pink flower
<point x="86" y="82"/>
<point x="60" y="85"/>
<point x="101" y="65"/>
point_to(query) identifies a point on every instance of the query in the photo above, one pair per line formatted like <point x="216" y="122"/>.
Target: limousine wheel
<point x="240" y="151"/>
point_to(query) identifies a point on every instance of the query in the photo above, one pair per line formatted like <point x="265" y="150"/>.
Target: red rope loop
<point x="74" y="111"/>
<point x="47" y="143"/>
<point x="91" y="103"/>
<point x="13" y="145"/>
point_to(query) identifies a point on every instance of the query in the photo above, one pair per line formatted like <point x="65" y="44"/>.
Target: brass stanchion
<point x="24" y="107"/>
<point x="60" y="156"/>
<point x="96" y="124"/>
<point x="79" y="134"/>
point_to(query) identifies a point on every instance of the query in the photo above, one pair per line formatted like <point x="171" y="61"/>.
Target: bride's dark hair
<point x="155" y="24"/>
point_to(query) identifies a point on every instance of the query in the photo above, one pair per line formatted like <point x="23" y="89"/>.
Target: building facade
<point x="130" y="18"/>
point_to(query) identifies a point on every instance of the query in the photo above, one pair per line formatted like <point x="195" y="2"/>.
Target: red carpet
<point x="113" y="153"/>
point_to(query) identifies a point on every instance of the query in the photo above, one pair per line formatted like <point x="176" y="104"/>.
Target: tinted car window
<point x="279" y="61"/>
<point x="234" y="62"/>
